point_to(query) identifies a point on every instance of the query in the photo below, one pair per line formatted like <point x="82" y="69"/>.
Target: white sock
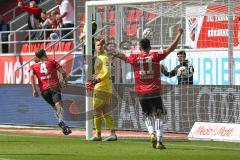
<point x="59" y="115"/>
<point x="149" y="125"/>
<point x="159" y="129"/>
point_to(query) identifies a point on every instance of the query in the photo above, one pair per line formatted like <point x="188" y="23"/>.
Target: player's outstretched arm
<point x="119" y="55"/>
<point x="64" y="75"/>
<point x="33" y="84"/>
<point x="175" y="42"/>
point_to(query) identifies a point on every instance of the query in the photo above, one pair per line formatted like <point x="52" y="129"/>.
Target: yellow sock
<point x="109" y="121"/>
<point x="98" y="124"/>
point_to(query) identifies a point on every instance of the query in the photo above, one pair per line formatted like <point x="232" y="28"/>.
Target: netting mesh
<point x="206" y="27"/>
<point x="164" y="17"/>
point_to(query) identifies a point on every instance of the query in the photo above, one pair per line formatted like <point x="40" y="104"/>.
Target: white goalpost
<point x="211" y="40"/>
<point x="88" y="17"/>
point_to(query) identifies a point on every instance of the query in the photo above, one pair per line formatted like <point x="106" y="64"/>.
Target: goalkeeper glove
<point x="91" y="83"/>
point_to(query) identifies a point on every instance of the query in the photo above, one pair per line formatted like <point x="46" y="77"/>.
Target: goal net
<point x="210" y="39"/>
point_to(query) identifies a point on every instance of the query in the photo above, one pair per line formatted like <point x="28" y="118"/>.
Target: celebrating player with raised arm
<point x="101" y="84"/>
<point x="148" y="85"/>
<point x="46" y="72"/>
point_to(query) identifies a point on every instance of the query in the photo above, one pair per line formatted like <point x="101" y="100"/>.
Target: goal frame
<point x="88" y="17"/>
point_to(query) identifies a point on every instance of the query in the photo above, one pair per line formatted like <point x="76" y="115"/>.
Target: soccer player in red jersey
<point x="46" y="72"/>
<point x="148" y="85"/>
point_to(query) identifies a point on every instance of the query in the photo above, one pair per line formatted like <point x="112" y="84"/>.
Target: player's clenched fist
<point x="89" y="85"/>
<point x="180" y="30"/>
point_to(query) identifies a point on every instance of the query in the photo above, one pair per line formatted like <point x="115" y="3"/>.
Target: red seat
<point x="100" y="8"/>
<point x="34" y="47"/>
<point x="61" y="46"/>
<point x="56" y="47"/>
<point x="138" y="15"/>
<point x="49" y="49"/>
<point x="111" y="16"/>
<point x="112" y="31"/>
<point x="150" y="16"/>
<point x="25" y="48"/>
<point x="41" y="46"/>
<point x="131" y="30"/>
<point x="68" y="46"/>
<point x="130" y="15"/>
<point x="102" y="16"/>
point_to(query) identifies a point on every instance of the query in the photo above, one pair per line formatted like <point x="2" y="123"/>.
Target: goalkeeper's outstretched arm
<point x="165" y="72"/>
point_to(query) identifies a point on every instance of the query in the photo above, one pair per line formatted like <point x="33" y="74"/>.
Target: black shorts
<point x="52" y="96"/>
<point x="152" y="106"/>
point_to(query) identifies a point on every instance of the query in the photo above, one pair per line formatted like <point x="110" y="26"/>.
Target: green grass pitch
<point x="44" y="147"/>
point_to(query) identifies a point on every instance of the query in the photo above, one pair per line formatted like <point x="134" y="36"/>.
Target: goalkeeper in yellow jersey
<point x="101" y="84"/>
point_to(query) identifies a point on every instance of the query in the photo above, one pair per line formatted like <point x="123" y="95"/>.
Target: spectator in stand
<point x="4" y="27"/>
<point x="44" y="17"/>
<point x="34" y="13"/>
<point x="59" y="20"/>
<point x="55" y="22"/>
<point x="66" y="14"/>
<point x="46" y="24"/>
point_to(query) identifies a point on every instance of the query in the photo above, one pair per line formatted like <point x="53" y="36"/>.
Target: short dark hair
<point x="145" y="43"/>
<point x="40" y="53"/>
<point x="182" y="52"/>
<point x="94" y="27"/>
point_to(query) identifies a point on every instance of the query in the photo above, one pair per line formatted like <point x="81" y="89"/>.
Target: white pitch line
<point x="24" y="127"/>
<point x="208" y="147"/>
<point x="195" y="146"/>
<point x="22" y="135"/>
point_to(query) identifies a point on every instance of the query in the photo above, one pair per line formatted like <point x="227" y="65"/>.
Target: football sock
<point x="159" y="129"/>
<point x="109" y="121"/>
<point x="97" y="118"/>
<point x="149" y="124"/>
<point x="58" y="114"/>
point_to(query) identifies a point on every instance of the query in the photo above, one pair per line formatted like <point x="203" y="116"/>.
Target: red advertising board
<point x="210" y="30"/>
<point x="8" y="65"/>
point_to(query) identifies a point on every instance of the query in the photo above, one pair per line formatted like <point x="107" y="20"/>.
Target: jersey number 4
<point x="43" y="68"/>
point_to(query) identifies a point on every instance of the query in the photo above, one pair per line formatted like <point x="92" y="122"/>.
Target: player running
<point x="46" y="72"/>
<point x="148" y="85"/>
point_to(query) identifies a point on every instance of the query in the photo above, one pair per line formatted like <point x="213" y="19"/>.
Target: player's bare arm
<point x="64" y="75"/>
<point x="118" y="54"/>
<point x="175" y="42"/>
<point x="33" y="84"/>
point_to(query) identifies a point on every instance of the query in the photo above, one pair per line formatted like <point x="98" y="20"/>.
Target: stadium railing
<point x="56" y="42"/>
